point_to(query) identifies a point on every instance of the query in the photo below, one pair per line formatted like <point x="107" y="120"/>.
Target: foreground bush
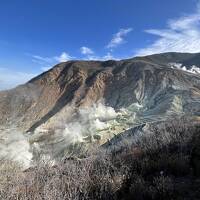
<point x="162" y="163"/>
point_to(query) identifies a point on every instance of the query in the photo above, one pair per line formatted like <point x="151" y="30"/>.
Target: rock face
<point x="147" y="87"/>
<point x="148" y="81"/>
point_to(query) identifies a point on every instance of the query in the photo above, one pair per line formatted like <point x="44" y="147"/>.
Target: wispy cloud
<point x="47" y="62"/>
<point x="86" y="51"/>
<point x="89" y="54"/>
<point x="109" y="56"/>
<point x="10" y="78"/>
<point x="180" y="35"/>
<point x="44" y="69"/>
<point x="42" y="59"/>
<point x="118" y="38"/>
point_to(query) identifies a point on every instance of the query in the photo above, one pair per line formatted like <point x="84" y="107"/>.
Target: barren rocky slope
<point x="148" y="81"/>
<point x="135" y="91"/>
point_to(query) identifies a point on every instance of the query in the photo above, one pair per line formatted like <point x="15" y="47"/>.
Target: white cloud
<point x="63" y="57"/>
<point x="118" y="38"/>
<point x="47" y="62"/>
<point x="181" y="35"/>
<point x="86" y="51"/>
<point x="10" y="78"/>
<point x="90" y="55"/>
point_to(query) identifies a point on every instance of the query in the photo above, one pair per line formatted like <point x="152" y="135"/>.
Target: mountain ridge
<point x="71" y="75"/>
<point x="135" y="91"/>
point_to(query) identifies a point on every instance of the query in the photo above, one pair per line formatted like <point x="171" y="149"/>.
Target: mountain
<point x="187" y="59"/>
<point x="92" y="101"/>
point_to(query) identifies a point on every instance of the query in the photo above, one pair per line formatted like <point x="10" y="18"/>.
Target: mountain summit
<point x="95" y="100"/>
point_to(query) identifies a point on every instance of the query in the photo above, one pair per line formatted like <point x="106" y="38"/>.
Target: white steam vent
<point x="95" y="123"/>
<point x="86" y="125"/>
<point x="15" y="146"/>
<point x="90" y="121"/>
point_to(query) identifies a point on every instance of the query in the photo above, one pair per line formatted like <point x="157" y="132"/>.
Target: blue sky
<point x="37" y="34"/>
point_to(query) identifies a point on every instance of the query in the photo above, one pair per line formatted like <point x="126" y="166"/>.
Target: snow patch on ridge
<point x="192" y="69"/>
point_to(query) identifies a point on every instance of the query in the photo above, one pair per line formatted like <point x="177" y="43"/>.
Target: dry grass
<point x="157" y="165"/>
